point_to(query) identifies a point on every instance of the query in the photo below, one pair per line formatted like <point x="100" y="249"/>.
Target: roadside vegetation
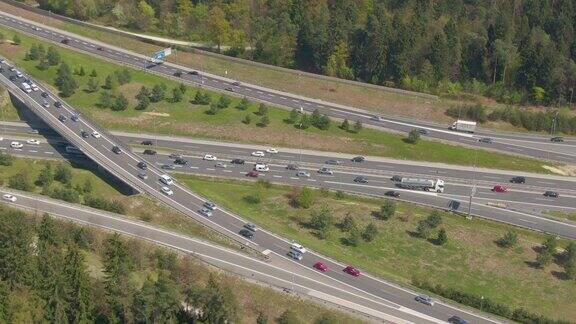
<point x="59" y="272"/>
<point x="131" y="100"/>
<point x="79" y="184"/>
<point x="515" y="273"/>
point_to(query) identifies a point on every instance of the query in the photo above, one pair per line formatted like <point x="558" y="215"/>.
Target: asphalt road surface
<point x="123" y="164"/>
<point x="519" y="144"/>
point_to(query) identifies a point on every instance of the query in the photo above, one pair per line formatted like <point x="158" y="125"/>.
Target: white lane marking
<point x="277" y="176"/>
<point x="193" y="167"/>
<point x="527" y="221"/>
<point x="228" y="171"/>
<point x="49" y="152"/>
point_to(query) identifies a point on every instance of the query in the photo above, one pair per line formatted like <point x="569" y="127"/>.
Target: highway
<point x="523" y="202"/>
<point x="123" y="166"/>
<point x="276" y="271"/>
<point x="513" y="143"/>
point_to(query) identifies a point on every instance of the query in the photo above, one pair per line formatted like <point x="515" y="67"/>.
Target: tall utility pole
<point x="473" y="190"/>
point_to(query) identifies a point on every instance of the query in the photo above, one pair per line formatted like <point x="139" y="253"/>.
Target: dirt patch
<point x="10" y="50"/>
<point x="4" y="7"/>
<point x="566" y="170"/>
<point x="157" y="114"/>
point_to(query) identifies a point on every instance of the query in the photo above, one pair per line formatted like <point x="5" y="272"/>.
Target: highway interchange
<point x="123" y="166"/>
<point x="378" y="173"/>
<point x="521" y="144"/>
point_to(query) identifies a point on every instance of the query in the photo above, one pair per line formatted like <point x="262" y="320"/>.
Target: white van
<point x="298" y="248"/>
<point x="295" y="255"/>
<point x="26" y="87"/>
<point x="166" y="179"/>
<point x="261" y="167"/>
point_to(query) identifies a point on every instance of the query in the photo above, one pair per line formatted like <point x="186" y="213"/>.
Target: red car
<point x="352" y="271"/>
<point x="252" y="174"/>
<point x="499" y="188"/>
<point x="320" y="266"/>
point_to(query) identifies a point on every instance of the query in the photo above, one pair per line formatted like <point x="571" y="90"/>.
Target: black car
<point x="557" y="139"/>
<point x="58" y="104"/>
<point x="396" y="178"/>
<point x="116" y="149"/>
<point x="12" y="78"/>
<point x="292" y="167"/>
<point x="65" y="41"/>
<point x="193" y="72"/>
<point x="146" y="142"/>
<point x="361" y="179"/>
<point x="392" y="193"/>
<point x="180" y="161"/>
<point x="44" y="94"/>
<point x="178" y="74"/>
<point x="62" y="118"/>
<point x="142" y="165"/>
<point x="551" y="194"/>
<point x="84" y="134"/>
<point x="175" y="156"/>
<point x="246" y="233"/>
<point x="457" y="320"/>
<point x="333" y="162"/>
<point x="487" y="140"/>
<point x="229" y="89"/>
<point x="168" y="167"/>
<point x="423" y="131"/>
<point x="237" y="161"/>
<point x="518" y="180"/>
<point x="358" y="159"/>
<point x="149" y="152"/>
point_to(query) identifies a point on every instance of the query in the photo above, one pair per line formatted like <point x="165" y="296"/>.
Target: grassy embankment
<point x="471" y="261"/>
<point x="138" y="206"/>
<point x="186" y="119"/>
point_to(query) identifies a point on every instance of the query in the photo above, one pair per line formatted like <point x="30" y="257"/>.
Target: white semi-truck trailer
<point x="463" y="126"/>
<point x="422" y="184"/>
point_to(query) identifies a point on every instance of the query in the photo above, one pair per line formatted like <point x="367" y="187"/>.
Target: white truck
<point x="463" y="126"/>
<point x="422" y="184"/>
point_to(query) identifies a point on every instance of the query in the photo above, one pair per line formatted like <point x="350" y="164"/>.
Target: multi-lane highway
<point x="521" y="205"/>
<point x="117" y="159"/>
<point x="520" y="144"/>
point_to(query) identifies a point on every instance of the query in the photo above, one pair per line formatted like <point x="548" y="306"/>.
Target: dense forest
<point x="513" y="50"/>
<point x="56" y="272"/>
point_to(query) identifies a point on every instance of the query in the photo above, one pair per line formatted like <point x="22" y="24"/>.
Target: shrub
<point x="21" y="181"/>
<point x="321" y="221"/>
<point x="224" y="102"/>
<point x="442" y="237"/>
<point x="413" y="136"/>
<point x="103" y="204"/>
<point x="243" y="104"/>
<point x="508" y="240"/>
<point x="348" y="223"/>
<point x="6" y="159"/>
<point x="387" y="210"/>
<point x="262" y="110"/>
<point x="434" y="219"/>
<point x="66" y="194"/>
<point x="247" y="120"/>
<point x="63" y="173"/>
<point x="305" y="198"/>
<point x="370" y="232"/>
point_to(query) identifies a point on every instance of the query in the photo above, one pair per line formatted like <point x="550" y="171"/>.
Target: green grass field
<point x="137" y="206"/>
<point x="471" y="261"/>
<point x="186" y="119"/>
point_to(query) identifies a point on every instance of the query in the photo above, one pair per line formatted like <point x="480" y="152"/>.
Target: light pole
<point x="554" y="119"/>
<point x="473" y="190"/>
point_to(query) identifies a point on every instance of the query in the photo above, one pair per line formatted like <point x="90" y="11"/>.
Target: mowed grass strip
<point x="186" y="119"/>
<point x="471" y="261"/>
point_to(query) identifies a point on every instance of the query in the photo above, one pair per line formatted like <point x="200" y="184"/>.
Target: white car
<point x="303" y="174"/>
<point x="167" y="191"/>
<point x="221" y="165"/>
<point x="9" y="197"/>
<point x="1" y="138"/>
<point x="19" y="74"/>
<point x="210" y="157"/>
<point x="16" y="145"/>
<point x="33" y="142"/>
<point x="95" y="134"/>
<point x="258" y="153"/>
<point x="34" y="87"/>
<point x="272" y="151"/>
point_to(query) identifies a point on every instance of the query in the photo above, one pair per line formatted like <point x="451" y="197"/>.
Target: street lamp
<point x="473" y="190"/>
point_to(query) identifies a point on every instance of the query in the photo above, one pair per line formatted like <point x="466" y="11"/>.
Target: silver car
<point x="326" y="171"/>
<point x="425" y="299"/>
<point x="206" y="212"/>
<point x="303" y="174"/>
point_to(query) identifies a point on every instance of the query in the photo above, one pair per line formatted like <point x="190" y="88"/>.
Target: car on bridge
<point x="499" y="188"/>
<point x="57" y="104"/>
<point x="167" y="191"/>
<point x="320" y="266"/>
<point x="62" y="118"/>
<point x="425" y="299"/>
<point x="116" y="149"/>
<point x="352" y="271"/>
<point x="142" y="165"/>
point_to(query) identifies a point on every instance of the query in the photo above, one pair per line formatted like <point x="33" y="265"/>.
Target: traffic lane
<point x="290" y="277"/>
<point x="278" y="173"/>
<point x="367" y="166"/>
<point x="286" y="99"/>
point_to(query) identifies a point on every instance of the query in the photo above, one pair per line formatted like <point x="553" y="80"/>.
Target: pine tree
<point x="158" y="93"/>
<point x="262" y="110"/>
<point x="16" y="40"/>
<point x="53" y="57"/>
<point x="387" y="210"/>
<point x="79" y="293"/>
<point x="177" y="94"/>
<point x="46" y="176"/>
<point x="81" y="71"/>
<point x="65" y="81"/>
<point x="243" y="104"/>
<point x="183" y="88"/>
<point x="94" y="74"/>
<point x="105" y="99"/>
<point x="120" y="103"/>
<point x="357" y="126"/>
<point x="370" y="232"/>
<point x="442" y="237"/>
<point x="111" y="83"/>
<point x="63" y="174"/>
<point x="345" y="126"/>
<point x="92" y="85"/>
